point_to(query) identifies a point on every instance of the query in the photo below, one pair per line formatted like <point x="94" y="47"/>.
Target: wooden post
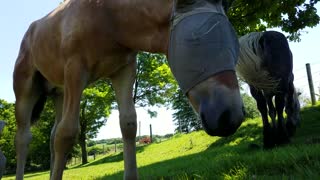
<point x="150" y="133"/>
<point x="312" y="94"/>
<point x="115" y="146"/>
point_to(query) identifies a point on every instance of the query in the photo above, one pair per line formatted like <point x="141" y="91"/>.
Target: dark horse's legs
<point x="272" y="110"/>
<point x="282" y="135"/>
<point x="262" y="106"/>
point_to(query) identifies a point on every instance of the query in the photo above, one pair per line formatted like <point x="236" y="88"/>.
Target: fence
<point x="302" y="82"/>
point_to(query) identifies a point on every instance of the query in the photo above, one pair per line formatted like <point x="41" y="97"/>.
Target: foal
<point x="83" y="40"/>
<point x="265" y="63"/>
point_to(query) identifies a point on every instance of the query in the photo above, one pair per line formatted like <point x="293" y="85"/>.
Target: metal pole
<point x="312" y="94"/>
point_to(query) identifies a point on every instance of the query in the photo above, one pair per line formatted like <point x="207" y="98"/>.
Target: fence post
<point x="150" y="133"/>
<point x="312" y="94"/>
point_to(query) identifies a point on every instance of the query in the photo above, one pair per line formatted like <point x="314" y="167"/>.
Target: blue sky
<point x="15" y="17"/>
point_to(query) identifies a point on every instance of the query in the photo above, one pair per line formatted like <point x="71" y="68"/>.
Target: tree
<point x="8" y="134"/>
<point x="250" y="106"/>
<point x="95" y="107"/>
<point x="184" y="117"/>
<point x="290" y="15"/>
<point x="155" y="84"/>
<point x="39" y="148"/>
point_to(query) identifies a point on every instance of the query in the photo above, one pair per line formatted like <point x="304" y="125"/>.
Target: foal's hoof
<point x="282" y="137"/>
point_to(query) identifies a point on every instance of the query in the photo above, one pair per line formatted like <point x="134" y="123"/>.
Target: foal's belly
<point x="52" y="67"/>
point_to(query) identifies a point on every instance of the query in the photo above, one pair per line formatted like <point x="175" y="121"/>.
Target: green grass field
<point x="199" y="156"/>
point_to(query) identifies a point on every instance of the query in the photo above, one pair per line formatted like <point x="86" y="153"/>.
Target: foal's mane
<point x="249" y="67"/>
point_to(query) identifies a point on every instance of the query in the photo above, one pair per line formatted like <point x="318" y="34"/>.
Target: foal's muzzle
<point x="220" y="119"/>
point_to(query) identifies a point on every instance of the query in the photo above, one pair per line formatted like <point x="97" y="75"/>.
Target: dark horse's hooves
<point x="253" y="146"/>
<point x="282" y="136"/>
<point x="291" y="129"/>
<point x="268" y="138"/>
<point x="273" y="137"/>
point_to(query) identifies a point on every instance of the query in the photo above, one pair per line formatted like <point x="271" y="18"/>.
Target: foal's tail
<point x="38" y="108"/>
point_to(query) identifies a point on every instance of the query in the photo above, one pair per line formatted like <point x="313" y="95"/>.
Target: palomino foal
<point x="81" y="41"/>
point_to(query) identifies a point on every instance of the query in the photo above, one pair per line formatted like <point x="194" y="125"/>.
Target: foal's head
<point x="217" y="100"/>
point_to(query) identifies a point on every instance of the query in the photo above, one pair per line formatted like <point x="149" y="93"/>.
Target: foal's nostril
<point x="224" y="119"/>
<point x="202" y="116"/>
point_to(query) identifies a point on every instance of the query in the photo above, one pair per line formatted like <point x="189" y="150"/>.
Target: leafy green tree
<point x="250" y="106"/>
<point x="95" y="107"/>
<point x="290" y="15"/>
<point x="184" y="117"/>
<point x="154" y="83"/>
<point x="8" y="134"/>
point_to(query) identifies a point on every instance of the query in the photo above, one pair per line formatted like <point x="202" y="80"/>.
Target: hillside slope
<point x="199" y="156"/>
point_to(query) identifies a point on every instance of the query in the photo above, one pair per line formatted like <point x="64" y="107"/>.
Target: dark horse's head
<point x="203" y="52"/>
<point x="293" y="112"/>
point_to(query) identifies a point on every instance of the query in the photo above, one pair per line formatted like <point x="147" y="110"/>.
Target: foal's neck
<point x="143" y="24"/>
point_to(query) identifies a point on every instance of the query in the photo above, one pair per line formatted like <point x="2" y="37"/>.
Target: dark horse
<point x="265" y="63"/>
<point x="84" y="40"/>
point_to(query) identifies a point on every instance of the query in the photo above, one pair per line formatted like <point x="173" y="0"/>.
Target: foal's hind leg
<point x="27" y="92"/>
<point x="262" y="106"/>
<point x="75" y="80"/>
<point x="123" y="85"/>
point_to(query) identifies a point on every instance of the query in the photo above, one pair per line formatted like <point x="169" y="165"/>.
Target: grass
<point x="199" y="156"/>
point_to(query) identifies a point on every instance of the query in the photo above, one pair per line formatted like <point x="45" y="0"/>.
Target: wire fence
<point x="301" y="79"/>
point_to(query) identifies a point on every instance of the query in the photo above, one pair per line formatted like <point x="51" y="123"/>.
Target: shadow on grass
<point x="187" y="167"/>
<point x="224" y="155"/>
<point x="241" y="136"/>
<point x="308" y="131"/>
<point x="34" y="174"/>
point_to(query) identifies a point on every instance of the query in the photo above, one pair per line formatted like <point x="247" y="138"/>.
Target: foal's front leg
<point x="123" y="86"/>
<point x="75" y="80"/>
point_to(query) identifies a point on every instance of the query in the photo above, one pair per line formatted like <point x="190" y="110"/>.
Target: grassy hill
<point x="199" y="156"/>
